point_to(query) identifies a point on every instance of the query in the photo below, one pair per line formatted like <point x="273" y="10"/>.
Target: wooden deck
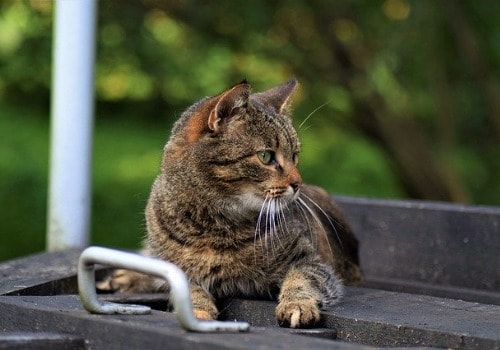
<point x="433" y="281"/>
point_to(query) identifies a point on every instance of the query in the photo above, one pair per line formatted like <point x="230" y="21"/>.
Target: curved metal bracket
<point x="179" y="288"/>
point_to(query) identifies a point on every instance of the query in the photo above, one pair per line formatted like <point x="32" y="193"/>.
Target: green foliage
<point x="397" y="96"/>
<point x="23" y="185"/>
<point x="126" y="160"/>
<point x="348" y="162"/>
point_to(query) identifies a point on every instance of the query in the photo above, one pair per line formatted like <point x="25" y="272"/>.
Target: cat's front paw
<point x="202" y="314"/>
<point x="297" y="314"/>
<point x="126" y="281"/>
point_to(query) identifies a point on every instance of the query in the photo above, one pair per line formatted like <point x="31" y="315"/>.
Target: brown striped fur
<point x="241" y="227"/>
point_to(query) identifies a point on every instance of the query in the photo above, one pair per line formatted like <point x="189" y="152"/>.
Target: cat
<point x="229" y="208"/>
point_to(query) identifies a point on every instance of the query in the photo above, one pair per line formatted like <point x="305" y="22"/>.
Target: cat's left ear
<point x="278" y="98"/>
<point x="228" y="104"/>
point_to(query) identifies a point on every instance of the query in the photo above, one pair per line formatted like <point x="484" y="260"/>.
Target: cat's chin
<point x="249" y="201"/>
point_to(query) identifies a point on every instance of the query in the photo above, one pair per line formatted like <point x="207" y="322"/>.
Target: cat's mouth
<point x="279" y="192"/>
<point x="284" y="194"/>
<point x="254" y="202"/>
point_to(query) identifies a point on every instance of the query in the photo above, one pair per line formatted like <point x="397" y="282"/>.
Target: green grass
<point x="126" y="159"/>
<point x="23" y="184"/>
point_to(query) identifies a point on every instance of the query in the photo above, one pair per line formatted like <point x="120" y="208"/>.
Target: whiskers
<point x="279" y="218"/>
<point x="312" y="113"/>
<point x="308" y="210"/>
<point x="271" y="223"/>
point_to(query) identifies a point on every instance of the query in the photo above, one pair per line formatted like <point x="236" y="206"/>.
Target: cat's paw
<point x="202" y="314"/>
<point x="297" y="314"/>
<point x="124" y="281"/>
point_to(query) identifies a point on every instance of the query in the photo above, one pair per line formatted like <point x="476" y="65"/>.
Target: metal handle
<point x="179" y="288"/>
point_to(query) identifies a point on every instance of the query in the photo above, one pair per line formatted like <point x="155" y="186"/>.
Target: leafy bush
<point x="403" y="97"/>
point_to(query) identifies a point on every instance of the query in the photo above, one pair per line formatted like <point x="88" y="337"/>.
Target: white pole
<point x="71" y="124"/>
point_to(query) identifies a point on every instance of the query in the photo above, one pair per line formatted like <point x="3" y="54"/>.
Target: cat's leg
<point x="127" y="281"/>
<point x="305" y="289"/>
<point x="203" y="303"/>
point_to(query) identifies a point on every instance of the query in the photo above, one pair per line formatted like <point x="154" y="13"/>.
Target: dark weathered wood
<point x="427" y="242"/>
<point x="370" y="317"/>
<point x="64" y="314"/>
<point x="414" y="287"/>
<point x="395" y="319"/>
<point x="381" y="318"/>
<point x="42" y="274"/>
<point x="43" y="271"/>
<point x="40" y="341"/>
<point x="449" y="251"/>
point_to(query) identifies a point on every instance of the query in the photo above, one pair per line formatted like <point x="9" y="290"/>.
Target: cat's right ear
<point x="228" y="104"/>
<point x="277" y="98"/>
<point x="213" y="114"/>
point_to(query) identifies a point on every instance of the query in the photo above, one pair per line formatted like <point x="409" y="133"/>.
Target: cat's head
<point x="238" y="145"/>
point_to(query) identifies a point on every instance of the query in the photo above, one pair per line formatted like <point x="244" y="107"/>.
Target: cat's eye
<point x="266" y="157"/>
<point x="295" y="158"/>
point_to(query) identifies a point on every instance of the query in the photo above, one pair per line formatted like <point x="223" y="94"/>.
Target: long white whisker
<point x="328" y="217"/>
<point x="267" y="228"/>
<point x="280" y="217"/>
<point x="285" y="209"/>
<point x="274" y="229"/>
<point x="305" y="209"/>
<point x="306" y="128"/>
<point x="258" y="230"/>
<point x="314" y="111"/>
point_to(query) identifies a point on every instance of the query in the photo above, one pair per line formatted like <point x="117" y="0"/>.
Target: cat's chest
<point x="233" y="274"/>
<point x="244" y="269"/>
<point x="227" y="269"/>
<point x="203" y="262"/>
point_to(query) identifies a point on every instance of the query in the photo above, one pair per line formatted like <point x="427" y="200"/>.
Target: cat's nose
<point x="295" y="186"/>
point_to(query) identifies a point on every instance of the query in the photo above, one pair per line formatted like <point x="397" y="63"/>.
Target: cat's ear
<point x="227" y="105"/>
<point x="278" y="98"/>
<point x="210" y="115"/>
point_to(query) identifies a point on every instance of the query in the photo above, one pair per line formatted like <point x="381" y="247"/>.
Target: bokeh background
<point x="402" y="98"/>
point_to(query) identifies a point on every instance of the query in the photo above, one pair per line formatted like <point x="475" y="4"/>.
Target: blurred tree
<point x="399" y="98"/>
<point x="356" y="54"/>
<point x="418" y="78"/>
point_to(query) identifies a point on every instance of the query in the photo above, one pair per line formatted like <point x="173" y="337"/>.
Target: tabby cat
<point x="230" y="209"/>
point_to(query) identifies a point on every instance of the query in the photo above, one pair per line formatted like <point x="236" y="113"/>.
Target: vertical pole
<point x="71" y="124"/>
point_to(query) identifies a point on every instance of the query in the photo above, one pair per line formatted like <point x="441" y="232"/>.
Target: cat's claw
<point x="298" y="314"/>
<point x="295" y="319"/>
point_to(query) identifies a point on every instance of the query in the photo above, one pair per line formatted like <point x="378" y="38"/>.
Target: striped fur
<point x="239" y="226"/>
